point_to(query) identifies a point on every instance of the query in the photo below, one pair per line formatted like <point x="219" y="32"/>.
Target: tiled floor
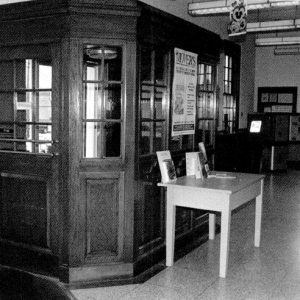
<point x="269" y="272"/>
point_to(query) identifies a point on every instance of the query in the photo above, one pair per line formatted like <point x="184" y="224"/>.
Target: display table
<point x="222" y="194"/>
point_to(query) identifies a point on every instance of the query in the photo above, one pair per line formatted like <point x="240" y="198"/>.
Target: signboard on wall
<point x="184" y="92"/>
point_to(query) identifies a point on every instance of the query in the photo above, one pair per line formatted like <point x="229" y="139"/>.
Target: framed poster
<point x="184" y="92"/>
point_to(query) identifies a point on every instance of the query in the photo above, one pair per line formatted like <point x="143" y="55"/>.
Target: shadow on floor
<point x="19" y="285"/>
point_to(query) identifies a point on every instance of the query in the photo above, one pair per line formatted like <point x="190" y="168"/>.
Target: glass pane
<point x="230" y="62"/>
<point x="43" y="132"/>
<point x="187" y="142"/>
<point x="6" y="107"/>
<point x="113" y="63"/>
<point x="226" y="74"/>
<point x="208" y="81"/>
<point x="208" y="132"/>
<point x="6" y="132"/>
<point x="160" y="67"/>
<point x="45" y="75"/>
<point x="229" y="74"/>
<point x="24" y="132"/>
<point x="109" y="143"/>
<point x="24" y="74"/>
<point x="23" y="115"/>
<point x="7" y="146"/>
<point x="24" y="146"/>
<point x="92" y="97"/>
<point x="200" y="131"/>
<point x="91" y="134"/>
<point x="201" y="68"/>
<point x="92" y="71"/>
<point x="225" y="87"/>
<point x="158" y="109"/>
<point x="146" y="65"/>
<point x="24" y="107"/>
<point x="175" y="143"/>
<point x="200" y="104"/>
<point x="146" y="102"/>
<point x="145" y="138"/>
<point x="158" y="136"/>
<point x="113" y="139"/>
<point x="113" y="101"/>
<point x="111" y="57"/>
<point x="24" y="99"/>
<point x="210" y="105"/>
<point x="44" y="106"/>
<point x="44" y="148"/>
<point x="6" y="75"/>
<point x="201" y="81"/>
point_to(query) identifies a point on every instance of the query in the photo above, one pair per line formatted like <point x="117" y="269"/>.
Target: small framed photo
<point x="264" y="97"/>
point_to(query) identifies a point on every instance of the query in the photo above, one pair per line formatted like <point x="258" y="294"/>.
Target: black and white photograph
<point x="149" y="149"/>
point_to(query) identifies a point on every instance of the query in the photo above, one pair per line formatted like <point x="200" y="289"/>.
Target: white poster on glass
<point x="184" y="92"/>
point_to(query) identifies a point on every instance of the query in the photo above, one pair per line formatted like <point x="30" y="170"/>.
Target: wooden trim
<point x="88" y="274"/>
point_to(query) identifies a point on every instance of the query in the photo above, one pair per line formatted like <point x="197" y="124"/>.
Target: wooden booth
<point x="86" y="101"/>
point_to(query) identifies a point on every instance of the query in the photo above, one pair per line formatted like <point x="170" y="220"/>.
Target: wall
<point x="179" y="8"/>
<point x="276" y="70"/>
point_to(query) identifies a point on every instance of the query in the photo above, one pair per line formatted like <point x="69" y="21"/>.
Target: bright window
<point x="206" y="104"/>
<point x="25" y="103"/>
<point x="102" y="102"/>
<point x="229" y="99"/>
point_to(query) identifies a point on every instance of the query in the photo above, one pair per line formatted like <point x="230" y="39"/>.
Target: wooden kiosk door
<point x="29" y="156"/>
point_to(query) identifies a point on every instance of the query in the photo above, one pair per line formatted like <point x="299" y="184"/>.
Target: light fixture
<point x="205" y="7"/>
<point x="273" y="41"/>
<point x="4" y="2"/>
<point x="98" y="53"/>
<point x="272" y="25"/>
<point x="275" y="3"/>
<point x="287" y="51"/>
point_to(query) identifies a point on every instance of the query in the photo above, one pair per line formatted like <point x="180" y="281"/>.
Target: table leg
<point x="212" y="226"/>
<point x="225" y="235"/>
<point x="258" y="216"/>
<point x="170" y="229"/>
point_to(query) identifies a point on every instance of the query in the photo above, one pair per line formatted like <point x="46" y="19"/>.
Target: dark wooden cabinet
<point x="66" y="152"/>
<point x="78" y="167"/>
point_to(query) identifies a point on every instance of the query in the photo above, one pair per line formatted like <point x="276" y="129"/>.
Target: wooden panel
<point x="150" y="216"/>
<point x="104" y="215"/>
<point x="52" y="20"/>
<point x="24" y="210"/>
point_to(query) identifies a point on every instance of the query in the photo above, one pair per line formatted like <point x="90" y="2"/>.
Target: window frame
<point x="202" y="111"/>
<point x="152" y="85"/>
<point x="15" y="91"/>
<point x="103" y="85"/>
<point x="229" y="99"/>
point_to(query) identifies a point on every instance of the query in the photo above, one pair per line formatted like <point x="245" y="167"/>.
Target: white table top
<point x="231" y="183"/>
